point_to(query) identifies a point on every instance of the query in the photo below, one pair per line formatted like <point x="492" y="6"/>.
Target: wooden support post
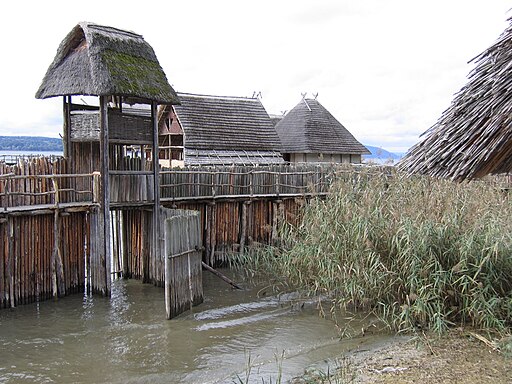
<point x="208" y="230"/>
<point x="155" y="248"/>
<point x="10" y="261"/>
<point x="58" y="284"/>
<point x="243" y="233"/>
<point x="275" y="210"/>
<point x="66" y="135"/>
<point x="124" y="242"/>
<point x="213" y="233"/>
<point x="104" y="222"/>
<point x="168" y="274"/>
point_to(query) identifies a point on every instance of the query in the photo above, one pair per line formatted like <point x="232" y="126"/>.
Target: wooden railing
<point x="44" y="183"/>
<point x="47" y="190"/>
<point x="240" y="181"/>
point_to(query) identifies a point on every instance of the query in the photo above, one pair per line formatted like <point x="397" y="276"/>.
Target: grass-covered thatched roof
<point x="473" y="137"/>
<point x="310" y="128"/>
<point x="102" y="61"/>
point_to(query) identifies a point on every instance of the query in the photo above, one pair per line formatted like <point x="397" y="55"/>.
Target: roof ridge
<point x="307" y="105"/>
<point x="216" y="96"/>
<point x="106" y="28"/>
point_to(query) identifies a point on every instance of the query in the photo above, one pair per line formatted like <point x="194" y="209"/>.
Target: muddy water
<point x="126" y="339"/>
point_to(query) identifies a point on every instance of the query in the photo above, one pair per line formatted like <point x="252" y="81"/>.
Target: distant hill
<point x="30" y="143"/>
<point x="38" y="143"/>
<point x="380" y="155"/>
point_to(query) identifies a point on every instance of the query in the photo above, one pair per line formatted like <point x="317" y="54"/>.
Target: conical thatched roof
<point x="310" y="128"/>
<point x="102" y="61"/>
<point x="473" y="137"/>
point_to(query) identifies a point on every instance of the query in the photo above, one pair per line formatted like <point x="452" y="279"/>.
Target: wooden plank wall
<point x="183" y="243"/>
<point x="132" y="230"/>
<point x="230" y="226"/>
<point x="26" y="247"/>
<point x="45" y="244"/>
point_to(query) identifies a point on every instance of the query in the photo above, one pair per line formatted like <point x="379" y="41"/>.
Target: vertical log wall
<point x="28" y="268"/>
<point x="45" y="218"/>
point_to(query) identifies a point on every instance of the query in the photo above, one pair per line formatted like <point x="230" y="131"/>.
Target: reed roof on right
<point x="473" y="136"/>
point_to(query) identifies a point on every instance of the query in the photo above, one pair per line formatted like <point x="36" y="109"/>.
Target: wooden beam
<point x="104" y="221"/>
<point x="66" y="135"/>
<point x="220" y="275"/>
<point x="155" y="249"/>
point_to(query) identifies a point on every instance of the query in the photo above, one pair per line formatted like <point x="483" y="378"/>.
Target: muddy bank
<point x="457" y="357"/>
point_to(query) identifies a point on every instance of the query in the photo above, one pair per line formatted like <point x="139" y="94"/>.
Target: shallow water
<point x="126" y="339"/>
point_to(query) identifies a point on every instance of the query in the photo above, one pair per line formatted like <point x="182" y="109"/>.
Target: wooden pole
<point x="168" y="264"/>
<point x="66" y="105"/>
<point x="213" y="233"/>
<point x="124" y="242"/>
<point x="10" y="257"/>
<point x="243" y="234"/>
<point x="155" y="248"/>
<point x="58" y="285"/>
<point x="104" y="221"/>
<point x="220" y="275"/>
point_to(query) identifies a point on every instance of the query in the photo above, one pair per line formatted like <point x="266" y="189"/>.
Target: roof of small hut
<point x="310" y="128"/>
<point x="102" y="61"/>
<point x="473" y="137"/>
<point x="225" y="123"/>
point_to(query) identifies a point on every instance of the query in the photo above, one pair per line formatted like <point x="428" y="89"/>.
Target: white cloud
<point x="386" y="70"/>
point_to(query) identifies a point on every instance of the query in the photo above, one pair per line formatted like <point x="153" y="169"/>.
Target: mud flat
<point x="457" y="357"/>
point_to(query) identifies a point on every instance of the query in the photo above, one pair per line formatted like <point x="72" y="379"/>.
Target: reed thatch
<point x="473" y="137"/>
<point x="225" y="130"/>
<point x="103" y="61"/>
<point x="310" y="128"/>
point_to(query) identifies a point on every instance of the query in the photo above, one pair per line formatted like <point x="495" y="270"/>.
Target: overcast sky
<point x="385" y="69"/>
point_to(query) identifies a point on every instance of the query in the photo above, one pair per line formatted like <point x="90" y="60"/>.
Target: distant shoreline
<point x="29" y="153"/>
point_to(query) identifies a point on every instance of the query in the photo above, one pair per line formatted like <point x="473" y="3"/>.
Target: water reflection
<point x="91" y="339"/>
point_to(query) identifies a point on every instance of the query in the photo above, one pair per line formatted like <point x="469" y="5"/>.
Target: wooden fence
<point x="50" y="233"/>
<point x="46" y="218"/>
<point x="183" y="270"/>
<point x="39" y="184"/>
<point x="205" y="183"/>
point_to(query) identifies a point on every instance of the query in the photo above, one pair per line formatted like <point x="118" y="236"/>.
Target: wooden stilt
<point x="243" y="234"/>
<point x="104" y="225"/>
<point x="10" y="262"/>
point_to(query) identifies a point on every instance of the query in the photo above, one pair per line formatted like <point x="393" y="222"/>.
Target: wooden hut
<point x="309" y="133"/>
<point x="217" y="130"/>
<point x="473" y="137"/>
<point x="122" y="69"/>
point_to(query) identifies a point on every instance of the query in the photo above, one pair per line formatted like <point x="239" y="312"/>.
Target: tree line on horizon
<point x="30" y="143"/>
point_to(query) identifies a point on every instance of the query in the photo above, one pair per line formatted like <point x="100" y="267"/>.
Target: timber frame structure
<point x="121" y="68"/>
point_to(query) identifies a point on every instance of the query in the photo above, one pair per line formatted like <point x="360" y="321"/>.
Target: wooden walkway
<point x="49" y="227"/>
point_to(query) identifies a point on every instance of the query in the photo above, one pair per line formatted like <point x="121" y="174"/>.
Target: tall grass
<point x="418" y="252"/>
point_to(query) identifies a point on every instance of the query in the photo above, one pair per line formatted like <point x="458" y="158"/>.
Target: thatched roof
<point x="218" y="127"/>
<point x="228" y="123"/>
<point x="102" y="61"/>
<point x="473" y="137"/>
<point x="310" y="128"/>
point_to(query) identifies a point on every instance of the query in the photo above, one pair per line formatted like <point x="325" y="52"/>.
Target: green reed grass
<point x="418" y="252"/>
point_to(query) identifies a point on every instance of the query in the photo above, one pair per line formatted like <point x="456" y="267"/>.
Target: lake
<point x="126" y="339"/>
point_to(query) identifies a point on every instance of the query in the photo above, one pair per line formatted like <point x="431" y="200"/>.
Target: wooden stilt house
<point x="217" y="130"/>
<point x="473" y="137"/>
<point x="309" y="133"/>
<point x="121" y="68"/>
